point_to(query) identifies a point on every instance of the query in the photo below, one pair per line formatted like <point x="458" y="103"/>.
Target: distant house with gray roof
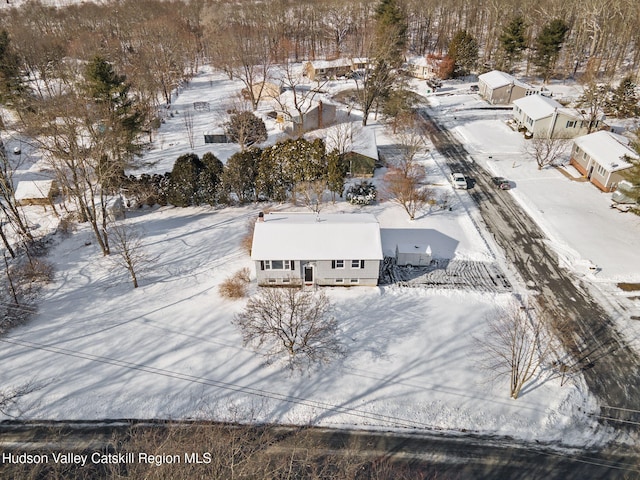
<point x="544" y="117"/>
<point x="500" y="88"/>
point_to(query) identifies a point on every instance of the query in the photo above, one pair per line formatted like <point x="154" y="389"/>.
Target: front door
<point x="308" y="274"/>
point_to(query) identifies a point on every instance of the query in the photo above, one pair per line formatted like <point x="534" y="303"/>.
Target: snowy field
<point x="98" y="349"/>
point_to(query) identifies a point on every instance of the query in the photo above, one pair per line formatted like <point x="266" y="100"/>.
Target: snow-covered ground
<point x="99" y="349"/>
<point x="598" y="243"/>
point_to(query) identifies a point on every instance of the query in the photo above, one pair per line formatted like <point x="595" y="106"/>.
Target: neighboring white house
<point x="544" y="117"/>
<point x="601" y="157"/>
<point x="500" y="88"/>
<point x="332" y="249"/>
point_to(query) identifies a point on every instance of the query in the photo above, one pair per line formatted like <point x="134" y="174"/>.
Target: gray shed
<point x="411" y="254"/>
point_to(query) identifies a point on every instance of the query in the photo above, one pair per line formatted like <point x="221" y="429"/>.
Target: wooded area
<point x="157" y="44"/>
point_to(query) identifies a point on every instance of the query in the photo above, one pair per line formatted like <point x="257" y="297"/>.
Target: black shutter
<point x="361" y="263"/>
<point x="293" y="265"/>
<point x="261" y="265"/>
<point x="333" y="264"/>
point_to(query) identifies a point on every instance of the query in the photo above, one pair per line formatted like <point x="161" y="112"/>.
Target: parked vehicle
<point x="458" y="180"/>
<point x="501" y="183"/>
<point x="621" y="197"/>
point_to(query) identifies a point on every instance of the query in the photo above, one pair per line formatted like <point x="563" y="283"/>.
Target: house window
<point x="286" y="280"/>
<point x="530" y="121"/>
<point x="337" y="263"/>
<point x="357" y="263"/>
<point x="355" y="280"/>
<point x="272" y="280"/>
<point x="571" y="124"/>
<point x="339" y="280"/>
<point x="278" y="265"/>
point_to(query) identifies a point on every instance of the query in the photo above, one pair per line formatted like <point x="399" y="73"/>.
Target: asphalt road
<point x="611" y="368"/>
<point x="429" y="455"/>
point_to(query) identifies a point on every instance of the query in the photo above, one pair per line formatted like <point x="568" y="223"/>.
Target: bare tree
<point x="8" y="398"/>
<point x="187" y="117"/>
<point x="8" y="203"/>
<point x="126" y="245"/>
<point x="404" y="182"/>
<point x="245" y="129"/>
<point x="517" y="343"/>
<point x="340" y="136"/>
<point x="298" y="97"/>
<point x="311" y="194"/>
<point x="241" y="45"/>
<point x="292" y="322"/>
<point x="407" y="190"/>
<point x="546" y="151"/>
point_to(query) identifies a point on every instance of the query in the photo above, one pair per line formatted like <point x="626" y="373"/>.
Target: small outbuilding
<point x="35" y="192"/>
<point x="216" y="136"/>
<point x="411" y="254"/>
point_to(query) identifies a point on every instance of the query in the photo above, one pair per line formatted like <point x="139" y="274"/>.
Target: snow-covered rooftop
<point x="339" y="62"/>
<point x="496" y="79"/>
<point x="608" y="149"/>
<point x="31" y="189"/>
<point x="365" y="143"/>
<point x="537" y="106"/>
<point x="302" y="236"/>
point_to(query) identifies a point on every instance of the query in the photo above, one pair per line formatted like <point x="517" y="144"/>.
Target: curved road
<point x="611" y="368"/>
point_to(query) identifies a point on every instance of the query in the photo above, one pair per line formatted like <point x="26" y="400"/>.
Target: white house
<point x="544" y="117"/>
<point x="332" y="249"/>
<point x="500" y="88"/>
<point x="602" y="157"/>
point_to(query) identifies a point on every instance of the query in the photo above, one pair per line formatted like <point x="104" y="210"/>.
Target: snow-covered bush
<point x="362" y="193"/>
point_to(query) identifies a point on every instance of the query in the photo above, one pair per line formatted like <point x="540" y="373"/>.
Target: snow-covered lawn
<point x="99" y="349"/>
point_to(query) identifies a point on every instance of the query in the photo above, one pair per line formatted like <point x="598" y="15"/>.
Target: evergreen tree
<point x="463" y="50"/>
<point x="593" y="100"/>
<point x="9" y="68"/>
<point x="336" y="173"/>
<point x="386" y="53"/>
<point x="512" y="42"/>
<point x="548" y="45"/>
<point x="209" y="180"/>
<point x="391" y="31"/>
<point x="182" y="190"/>
<point x="120" y="123"/>
<point x="286" y="164"/>
<point x="240" y="175"/>
<point x="624" y="99"/>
